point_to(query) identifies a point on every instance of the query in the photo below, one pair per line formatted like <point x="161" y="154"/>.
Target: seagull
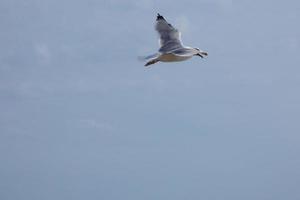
<point x="171" y="48"/>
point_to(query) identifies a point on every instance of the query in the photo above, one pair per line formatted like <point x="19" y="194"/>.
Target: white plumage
<point x="171" y="48"/>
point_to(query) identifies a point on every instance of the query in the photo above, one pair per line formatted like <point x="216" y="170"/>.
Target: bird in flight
<point x="171" y="48"/>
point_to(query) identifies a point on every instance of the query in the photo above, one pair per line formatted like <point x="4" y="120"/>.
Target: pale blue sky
<point x="81" y="118"/>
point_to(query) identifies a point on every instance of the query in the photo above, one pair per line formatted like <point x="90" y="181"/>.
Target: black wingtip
<point x="159" y="17"/>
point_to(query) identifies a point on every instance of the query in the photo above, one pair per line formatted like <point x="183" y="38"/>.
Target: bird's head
<point x="200" y="53"/>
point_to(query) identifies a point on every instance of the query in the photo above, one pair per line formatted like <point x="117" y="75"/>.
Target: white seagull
<point x="171" y="48"/>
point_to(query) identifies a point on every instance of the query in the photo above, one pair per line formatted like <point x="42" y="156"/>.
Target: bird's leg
<point x="151" y="62"/>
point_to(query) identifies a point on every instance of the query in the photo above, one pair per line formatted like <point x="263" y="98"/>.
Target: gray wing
<point x="169" y="37"/>
<point x="183" y="52"/>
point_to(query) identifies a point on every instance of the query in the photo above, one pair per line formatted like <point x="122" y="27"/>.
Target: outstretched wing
<point x="169" y="37"/>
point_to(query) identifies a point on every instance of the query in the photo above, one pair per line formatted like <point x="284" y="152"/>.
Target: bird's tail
<point x="151" y="62"/>
<point x="145" y="58"/>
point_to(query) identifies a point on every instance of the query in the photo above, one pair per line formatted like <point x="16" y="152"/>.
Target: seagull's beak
<point x="202" y="54"/>
<point x="198" y="54"/>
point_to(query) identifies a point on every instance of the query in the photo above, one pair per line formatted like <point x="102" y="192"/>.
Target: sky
<point x="82" y="118"/>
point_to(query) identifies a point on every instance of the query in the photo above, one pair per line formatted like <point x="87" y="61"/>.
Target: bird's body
<point x="171" y="48"/>
<point x="170" y="57"/>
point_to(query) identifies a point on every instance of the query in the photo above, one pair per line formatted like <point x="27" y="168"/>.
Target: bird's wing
<point x="169" y="37"/>
<point x="183" y="52"/>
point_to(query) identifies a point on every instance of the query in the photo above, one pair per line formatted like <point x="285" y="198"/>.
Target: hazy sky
<point x="81" y="118"/>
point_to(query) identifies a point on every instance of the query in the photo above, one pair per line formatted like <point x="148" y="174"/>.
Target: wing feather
<point x="169" y="37"/>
